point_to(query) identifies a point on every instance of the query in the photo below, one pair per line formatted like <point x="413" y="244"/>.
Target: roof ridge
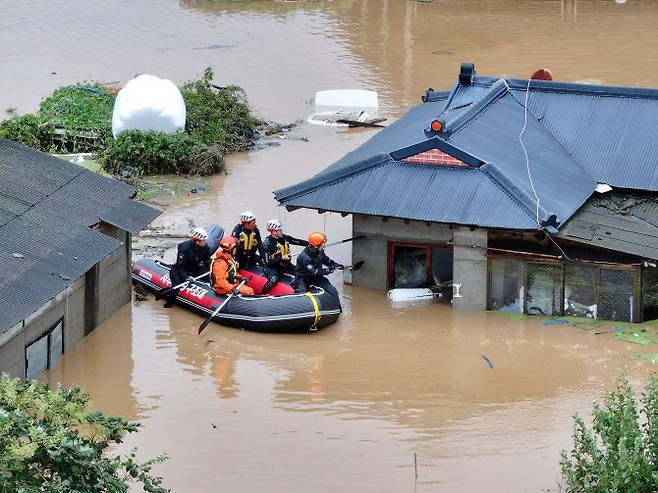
<point x="573" y="87"/>
<point x="452" y="125"/>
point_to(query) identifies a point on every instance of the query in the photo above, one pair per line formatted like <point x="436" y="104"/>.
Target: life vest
<point x="282" y="248"/>
<point x="248" y="240"/>
<point x="231" y="271"/>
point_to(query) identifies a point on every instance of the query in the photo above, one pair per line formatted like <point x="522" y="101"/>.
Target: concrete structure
<point x="65" y="255"/>
<point x="528" y="196"/>
<point x="468" y="265"/>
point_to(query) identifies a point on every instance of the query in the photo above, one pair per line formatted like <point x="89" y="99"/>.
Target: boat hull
<point x="272" y="313"/>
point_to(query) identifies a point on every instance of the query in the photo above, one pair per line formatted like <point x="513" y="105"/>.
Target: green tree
<point x="50" y="441"/>
<point x="620" y="452"/>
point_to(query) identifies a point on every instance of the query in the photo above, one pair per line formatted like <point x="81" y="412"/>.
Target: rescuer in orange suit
<point x="224" y="270"/>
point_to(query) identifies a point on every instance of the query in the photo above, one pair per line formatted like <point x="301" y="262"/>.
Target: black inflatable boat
<point x="280" y="311"/>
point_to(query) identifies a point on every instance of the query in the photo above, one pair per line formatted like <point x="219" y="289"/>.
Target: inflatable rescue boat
<point x="281" y="310"/>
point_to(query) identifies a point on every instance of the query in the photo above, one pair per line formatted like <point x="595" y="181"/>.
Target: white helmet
<point x="247" y="216"/>
<point x="199" y="234"/>
<point x="274" y="225"/>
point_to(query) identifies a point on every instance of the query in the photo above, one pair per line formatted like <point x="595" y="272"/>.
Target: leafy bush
<point x="218" y="116"/>
<point x="51" y="441"/>
<point x="151" y="153"/>
<point x="81" y="114"/>
<point x="30" y="130"/>
<point x="620" y="452"/>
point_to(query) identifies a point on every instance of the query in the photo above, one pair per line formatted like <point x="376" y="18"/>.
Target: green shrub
<point x="51" y="441"/>
<point x="620" y="452"/>
<point x="75" y="118"/>
<point x="152" y="153"/>
<point x="30" y="130"/>
<point x="218" y="116"/>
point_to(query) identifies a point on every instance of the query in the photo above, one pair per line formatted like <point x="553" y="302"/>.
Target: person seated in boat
<point x="249" y="241"/>
<point x="192" y="260"/>
<point x="276" y="253"/>
<point x="224" y="275"/>
<point x="313" y="264"/>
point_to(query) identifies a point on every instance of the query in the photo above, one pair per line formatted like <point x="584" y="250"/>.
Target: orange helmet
<point x="228" y="243"/>
<point x="317" y="239"/>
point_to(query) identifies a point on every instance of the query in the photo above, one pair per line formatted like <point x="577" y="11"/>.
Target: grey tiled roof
<point x="47" y="209"/>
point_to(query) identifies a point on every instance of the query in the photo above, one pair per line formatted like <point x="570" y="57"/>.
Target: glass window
<point x="649" y="293"/>
<point x="616" y="299"/>
<point x="580" y="288"/>
<point x="56" y="343"/>
<point x="441" y="264"/>
<point x="410" y="267"/>
<point x="544" y="287"/>
<point x="36" y="356"/>
<point x="506" y="285"/>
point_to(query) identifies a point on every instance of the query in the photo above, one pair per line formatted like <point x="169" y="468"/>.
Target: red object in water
<point x="542" y="74"/>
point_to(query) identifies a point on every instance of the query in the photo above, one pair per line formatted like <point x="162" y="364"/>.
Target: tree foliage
<point x="620" y="452"/>
<point x="51" y="441"/>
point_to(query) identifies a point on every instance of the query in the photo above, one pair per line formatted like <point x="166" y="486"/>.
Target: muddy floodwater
<point x="344" y="409"/>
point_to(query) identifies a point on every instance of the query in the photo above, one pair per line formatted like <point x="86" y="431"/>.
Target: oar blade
<point x="161" y="293"/>
<point x="203" y="325"/>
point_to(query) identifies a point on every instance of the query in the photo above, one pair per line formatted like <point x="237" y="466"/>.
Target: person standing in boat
<point x="276" y="253"/>
<point x="249" y="240"/>
<point x="224" y="275"/>
<point x="192" y="260"/>
<point x="313" y="264"/>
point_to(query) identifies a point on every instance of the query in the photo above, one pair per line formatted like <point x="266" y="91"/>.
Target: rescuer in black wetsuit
<point x="193" y="259"/>
<point x="276" y="253"/>
<point x="249" y="241"/>
<point x="313" y="265"/>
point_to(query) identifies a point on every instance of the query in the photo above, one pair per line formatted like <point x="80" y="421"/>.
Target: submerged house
<point x="530" y="196"/>
<point x="65" y="254"/>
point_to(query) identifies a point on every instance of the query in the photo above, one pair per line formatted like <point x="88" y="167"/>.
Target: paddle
<point x="336" y="243"/>
<point x="165" y="291"/>
<point x="354" y="267"/>
<point x="207" y="321"/>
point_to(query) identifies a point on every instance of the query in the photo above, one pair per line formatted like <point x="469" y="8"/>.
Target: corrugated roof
<point x="47" y="208"/>
<point x="416" y="192"/>
<point x="620" y="220"/>
<point x="576" y="135"/>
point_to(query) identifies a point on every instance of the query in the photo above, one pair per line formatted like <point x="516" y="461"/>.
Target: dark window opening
<point x="420" y="266"/>
<point x="45" y="351"/>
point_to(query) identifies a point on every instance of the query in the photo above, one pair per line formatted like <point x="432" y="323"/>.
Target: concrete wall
<point x="469" y="264"/>
<point x="88" y="302"/>
<point x="470" y="268"/>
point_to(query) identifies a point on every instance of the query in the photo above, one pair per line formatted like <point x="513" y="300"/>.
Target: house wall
<point x="469" y="265"/>
<point x="87" y="303"/>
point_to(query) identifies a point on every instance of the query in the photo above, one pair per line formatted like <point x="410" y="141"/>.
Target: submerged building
<point x="65" y="254"/>
<point x="531" y="196"/>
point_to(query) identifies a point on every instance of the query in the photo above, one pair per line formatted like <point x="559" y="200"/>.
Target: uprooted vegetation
<point x="78" y="118"/>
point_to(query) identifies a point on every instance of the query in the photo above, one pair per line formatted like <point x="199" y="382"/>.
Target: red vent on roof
<point x="435" y="156"/>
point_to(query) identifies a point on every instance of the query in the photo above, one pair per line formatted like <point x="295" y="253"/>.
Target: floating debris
<point x="557" y="321"/>
<point x="484" y="356"/>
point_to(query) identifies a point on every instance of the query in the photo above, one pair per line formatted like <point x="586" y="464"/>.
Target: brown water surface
<point x="348" y="407"/>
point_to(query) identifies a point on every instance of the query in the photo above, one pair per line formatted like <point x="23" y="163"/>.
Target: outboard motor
<point x="215" y="234"/>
